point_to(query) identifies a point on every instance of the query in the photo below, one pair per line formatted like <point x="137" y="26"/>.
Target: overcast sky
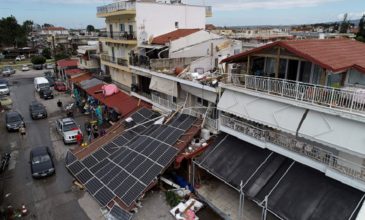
<point x="80" y="13"/>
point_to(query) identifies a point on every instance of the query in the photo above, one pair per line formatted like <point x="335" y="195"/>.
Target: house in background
<point x="89" y="59"/>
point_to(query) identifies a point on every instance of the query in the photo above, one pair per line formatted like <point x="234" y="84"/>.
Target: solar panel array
<point x="127" y="165"/>
<point x="118" y="213"/>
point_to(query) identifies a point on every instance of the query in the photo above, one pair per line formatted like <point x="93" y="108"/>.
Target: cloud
<point x="233" y="5"/>
<point x="351" y="15"/>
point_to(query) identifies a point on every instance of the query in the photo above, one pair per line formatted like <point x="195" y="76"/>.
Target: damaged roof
<point x="174" y="35"/>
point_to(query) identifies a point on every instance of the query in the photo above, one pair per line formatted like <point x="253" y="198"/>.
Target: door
<point x="292" y="70"/>
<point x="131" y="30"/>
<point x="111" y="30"/>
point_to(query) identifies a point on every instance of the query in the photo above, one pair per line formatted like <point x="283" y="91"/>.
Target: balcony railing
<point x="351" y="101"/>
<point x="209" y="122"/>
<point x="116" y="6"/>
<point x="115" y="60"/>
<point x="289" y="142"/>
<point x="120" y="35"/>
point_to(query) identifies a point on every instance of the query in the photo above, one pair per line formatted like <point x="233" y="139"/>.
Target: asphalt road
<point x="50" y="198"/>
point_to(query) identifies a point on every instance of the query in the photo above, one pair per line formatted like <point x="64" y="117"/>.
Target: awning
<point x="90" y="83"/>
<point x="120" y="101"/>
<point x="294" y="191"/>
<point x="165" y="86"/>
<point x="80" y="78"/>
<point x="271" y="113"/>
<point x="201" y="93"/>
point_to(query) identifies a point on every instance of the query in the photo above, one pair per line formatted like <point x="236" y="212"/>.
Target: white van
<point x="40" y="83"/>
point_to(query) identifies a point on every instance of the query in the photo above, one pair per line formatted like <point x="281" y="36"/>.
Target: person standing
<point x="95" y="131"/>
<point x="88" y="132"/>
<point x="22" y="131"/>
<point x="79" y="138"/>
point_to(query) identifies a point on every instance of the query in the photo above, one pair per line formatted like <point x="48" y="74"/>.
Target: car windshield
<point x="3" y="87"/>
<point x="14" y="118"/>
<point x="44" y="86"/>
<point x="70" y="127"/>
<point x="41" y="159"/>
<point x="37" y="107"/>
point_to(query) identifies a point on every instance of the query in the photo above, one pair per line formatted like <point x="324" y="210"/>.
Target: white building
<point x="89" y="57"/>
<point x="133" y="23"/>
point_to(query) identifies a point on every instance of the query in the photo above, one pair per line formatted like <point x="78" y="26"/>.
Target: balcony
<point x="328" y="97"/>
<point x="119" y="63"/>
<point x="289" y="142"/>
<point x="208" y="121"/>
<point x="116" y="8"/>
<point x="119" y="37"/>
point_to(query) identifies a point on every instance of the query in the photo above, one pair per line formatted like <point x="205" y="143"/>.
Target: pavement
<point x="54" y="197"/>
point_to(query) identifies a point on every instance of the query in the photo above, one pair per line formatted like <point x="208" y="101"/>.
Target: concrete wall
<point x="121" y="77"/>
<point x="155" y="19"/>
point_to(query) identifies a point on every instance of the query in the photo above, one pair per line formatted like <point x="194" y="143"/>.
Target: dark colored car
<point x="41" y="163"/>
<point x="60" y="86"/>
<point x="37" y="110"/>
<point x="38" y="66"/>
<point x="14" y="120"/>
<point x="48" y="73"/>
<point x="46" y="93"/>
<point x="50" y="80"/>
<point x="4" y="81"/>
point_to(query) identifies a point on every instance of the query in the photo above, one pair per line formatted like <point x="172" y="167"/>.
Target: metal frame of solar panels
<point x="129" y="164"/>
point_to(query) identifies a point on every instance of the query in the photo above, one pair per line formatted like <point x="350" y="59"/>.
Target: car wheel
<point x="64" y="142"/>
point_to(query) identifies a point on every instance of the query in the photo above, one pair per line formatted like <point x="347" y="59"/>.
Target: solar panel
<point x="161" y="148"/>
<point x="93" y="185"/>
<point x="120" y="141"/>
<point x="124" y="186"/>
<point x="178" y="120"/>
<point x="151" y="174"/>
<point x="70" y="158"/>
<point x="173" y="137"/>
<point x="99" y="166"/>
<point x="146" y="113"/>
<point x="136" y="143"/>
<point x="149" y="148"/>
<point x="187" y="123"/>
<point x="129" y="135"/>
<point x="119" y="214"/>
<point x="104" y="196"/>
<point x="117" y="153"/>
<point x="134" y="163"/>
<point x="138" y="118"/>
<point x="84" y="176"/>
<point x="133" y="193"/>
<point x="103" y="171"/>
<point x="114" y="183"/>
<point x="111" y="174"/>
<point x="76" y="167"/>
<point x="166" y="158"/>
<point x="127" y="159"/>
<point x="100" y="154"/>
<point x="142" y="168"/>
<point x="110" y="147"/>
<point x="90" y="161"/>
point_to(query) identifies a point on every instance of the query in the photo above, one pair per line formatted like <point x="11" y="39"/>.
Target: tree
<point x="27" y="26"/>
<point x="11" y="33"/>
<point x="90" y="28"/>
<point x="47" y="53"/>
<point x="345" y="24"/>
<point x="38" y="60"/>
<point x="360" y="36"/>
<point x="61" y="56"/>
<point x="46" y="25"/>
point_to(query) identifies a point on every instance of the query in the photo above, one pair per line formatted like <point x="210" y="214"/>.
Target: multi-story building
<point x="130" y="24"/>
<point x="89" y="57"/>
<point x="296" y="109"/>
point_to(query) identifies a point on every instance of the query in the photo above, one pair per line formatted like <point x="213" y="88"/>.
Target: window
<point x="176" y="24"/>
<point x="199" y="100"/>
<point x="356" y="78"/>
<point x="122" y="28"/>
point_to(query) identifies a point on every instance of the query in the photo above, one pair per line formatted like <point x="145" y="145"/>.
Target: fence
<point x="352" y="101"/>
<point x="116" y="6"/>
<point x="291" y="143"/>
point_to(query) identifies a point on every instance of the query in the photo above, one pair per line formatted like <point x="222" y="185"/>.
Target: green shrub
<point x="38" y="60"/>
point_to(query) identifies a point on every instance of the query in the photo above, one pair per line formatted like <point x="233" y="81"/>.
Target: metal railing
<point x="116" y="6"/>
<point x="209" y="122"/>
<point x="115" y="60"/>
<point x="352" y="101"/>
<point x="289" y="142"/>
<point x="120" y="35"/>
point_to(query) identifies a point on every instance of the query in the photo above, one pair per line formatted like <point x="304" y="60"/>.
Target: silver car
<point x="4" y="90"/>
<point x="68" y="129"/>
<point x="7" y="71"/>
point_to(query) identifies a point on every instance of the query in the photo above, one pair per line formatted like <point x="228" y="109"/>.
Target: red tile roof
<point x="122" y="102"/>
<point x="333" y="54"/>
<point x="71" y="72"/>
<point x="67" y="63"/>
<point x="174" y="35"/>
<point x="81" y="78"/>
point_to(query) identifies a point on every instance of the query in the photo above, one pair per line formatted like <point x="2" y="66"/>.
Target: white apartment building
<point x="130" y="24"/>
<point x="89" y="57"/>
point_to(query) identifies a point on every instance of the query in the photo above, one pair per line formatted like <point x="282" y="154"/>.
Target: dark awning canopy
<point x="293" y="190"/>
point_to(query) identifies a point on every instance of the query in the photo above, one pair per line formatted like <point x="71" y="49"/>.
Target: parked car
<point x="25" y="67"/>
<point x="49" y="66"/>
<point x="48" y="73"/>
<point x="14" y="120"/>
<point x="40" y="83"/>
<point x="38" y="66"/>
<point x="37" y="110"/>
<point x="68" y="129"/>
<point x="6" y="102"/>
<point x="46" y="93"/>
<point x="4" y="81"/>
<point x="8" y="70"/>
<point x="20" y="57"/>
<point x="60" y="86"/>
<point x="41" y="163"/>
<point x="50" y="80"/>
<point x="4" y="89"/>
